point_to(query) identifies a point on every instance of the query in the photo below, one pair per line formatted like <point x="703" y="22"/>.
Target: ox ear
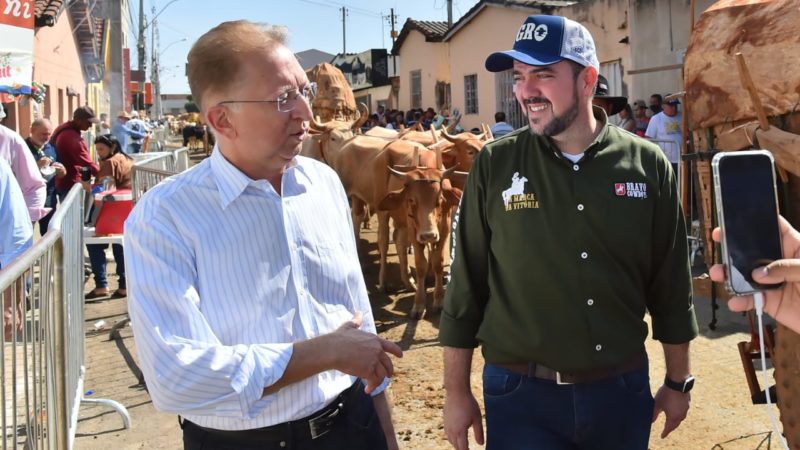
<point x="393" y="200"/>
<point x="452" y="195"/>
<point x="459" y="177"/>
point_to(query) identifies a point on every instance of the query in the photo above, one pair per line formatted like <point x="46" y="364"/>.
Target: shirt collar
<point x="232" y="182"/>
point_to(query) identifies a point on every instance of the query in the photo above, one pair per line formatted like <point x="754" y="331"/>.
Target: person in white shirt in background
<point x="251" y="315"/>
<point x="666" y="126"/>
<point x="136" y="144"/>
<point x="500" y="128"/>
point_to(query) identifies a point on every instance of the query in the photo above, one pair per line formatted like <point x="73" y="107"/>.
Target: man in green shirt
<point x="568" y="231"/>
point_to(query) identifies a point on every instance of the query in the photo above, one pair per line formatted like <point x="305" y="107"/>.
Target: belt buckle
<point x="561" y="382"/>
<point x="322" y="424"/>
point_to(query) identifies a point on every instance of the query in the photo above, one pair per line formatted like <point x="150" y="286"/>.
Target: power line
<point x="339" y="5"/>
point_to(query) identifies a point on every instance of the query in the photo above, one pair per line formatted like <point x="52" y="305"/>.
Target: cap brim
<point x="617" y="103"/>
<point x="94" y="120"/>
<point x="500" y="61"/>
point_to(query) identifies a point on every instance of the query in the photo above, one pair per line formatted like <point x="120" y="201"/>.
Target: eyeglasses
<point x="287" y="100"/>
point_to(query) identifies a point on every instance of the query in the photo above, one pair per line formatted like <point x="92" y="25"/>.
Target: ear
<point x="393" y="200"/>
<point x="452" y="196"/>
<point x="588" y="80"/>
<point x="217" y="117"/>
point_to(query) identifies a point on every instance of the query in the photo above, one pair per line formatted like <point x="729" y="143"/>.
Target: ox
<point x="421" y="208"/>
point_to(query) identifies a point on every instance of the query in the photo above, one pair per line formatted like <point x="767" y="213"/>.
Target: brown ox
<point x="361" y="162"/>
<point x="421" y="208"/>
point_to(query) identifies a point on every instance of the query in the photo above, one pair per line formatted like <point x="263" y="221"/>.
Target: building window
<point x="471" y="94"/>
<point x="442" y="96"/>
<point x="416" y="89"/>
<point x="506" y="101"/>
<point x="47" y="99"/>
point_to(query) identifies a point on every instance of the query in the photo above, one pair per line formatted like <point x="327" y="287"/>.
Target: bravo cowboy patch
<point x="515" y="197"/>
<point x="631" y="190"/>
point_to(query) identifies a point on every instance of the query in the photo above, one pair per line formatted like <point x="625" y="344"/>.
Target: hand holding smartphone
<point x="747" y="211"/>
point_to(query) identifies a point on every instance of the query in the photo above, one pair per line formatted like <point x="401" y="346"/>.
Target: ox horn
<point x="439" y="162"/>
<point x="315" y="123"/>
<point x="435" y="136"/>
<point x="415" y="157"/>
<point x="450" y="171"/>
<point x="362" y="118"/>
<point x="452" y="127"/>
<point x="394" y="171"/>
<point x="449" y="137"/>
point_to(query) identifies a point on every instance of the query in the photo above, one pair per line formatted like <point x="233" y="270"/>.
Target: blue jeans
<point x="97" y="256"/>
<point x="135" y="147"/>
<point x="530" y="413"/>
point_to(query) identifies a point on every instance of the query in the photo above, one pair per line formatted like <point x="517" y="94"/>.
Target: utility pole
<point x="155" y="76"/>
<point x="449" y="14"/>
<point x="140" y="47"/>
<point x="393" y="22"/>
<point x="344" y="33"/>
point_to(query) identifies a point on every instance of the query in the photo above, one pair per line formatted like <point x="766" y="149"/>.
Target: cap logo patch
<point x="540" y="32"/>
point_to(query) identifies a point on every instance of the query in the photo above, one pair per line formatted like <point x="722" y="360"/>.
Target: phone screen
<point x="747" y="202"/>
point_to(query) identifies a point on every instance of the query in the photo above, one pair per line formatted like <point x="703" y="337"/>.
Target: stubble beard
<point x="557" y="124"/>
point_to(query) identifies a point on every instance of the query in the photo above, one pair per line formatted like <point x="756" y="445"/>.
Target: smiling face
<point x="548" y="95"/>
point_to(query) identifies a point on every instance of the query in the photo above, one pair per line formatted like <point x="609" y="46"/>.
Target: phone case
<point x="721" y="213"/>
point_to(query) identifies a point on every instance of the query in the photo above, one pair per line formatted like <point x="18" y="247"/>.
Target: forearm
<point x="457" y="368"/>
<point x="676" y="357"/>
<point x="384" y="411"/>
<point x="309" y="357"/>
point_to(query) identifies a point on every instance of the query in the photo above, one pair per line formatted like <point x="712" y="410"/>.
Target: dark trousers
<point x="97" y="256"/>
<point x="359" y="429"/>
<point x="529" y="413"/>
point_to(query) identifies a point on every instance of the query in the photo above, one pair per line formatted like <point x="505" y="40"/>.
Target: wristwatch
<point x="682" y="386"/>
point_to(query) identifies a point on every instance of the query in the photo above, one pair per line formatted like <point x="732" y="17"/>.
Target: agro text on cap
<point x="544" y="40"/>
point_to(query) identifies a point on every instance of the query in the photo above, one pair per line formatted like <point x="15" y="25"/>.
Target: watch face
<point x="688" y="384"/>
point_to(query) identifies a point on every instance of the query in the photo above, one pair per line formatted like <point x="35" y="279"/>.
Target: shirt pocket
<point x="331" y="279"/>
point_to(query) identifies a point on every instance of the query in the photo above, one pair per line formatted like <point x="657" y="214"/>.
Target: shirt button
<point x="584" y="255"/>
<point x="598" y="347"/>
<point x="576" y="167"/>
<point x="590" y="302"/>
<point x="283" y="444"/>
<point x="580" y="207"/>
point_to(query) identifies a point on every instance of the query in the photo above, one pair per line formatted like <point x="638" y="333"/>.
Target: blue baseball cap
<point x="544" y="40"/>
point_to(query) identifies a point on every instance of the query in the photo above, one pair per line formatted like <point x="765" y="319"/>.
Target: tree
<point x="190" y="106"/>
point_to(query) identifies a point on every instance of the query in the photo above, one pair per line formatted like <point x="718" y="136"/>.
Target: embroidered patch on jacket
<point x="515" y="197"/>
<point x="632" y="190"/>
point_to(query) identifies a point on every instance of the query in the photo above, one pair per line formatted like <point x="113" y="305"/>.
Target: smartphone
<point x="747" y="212"/>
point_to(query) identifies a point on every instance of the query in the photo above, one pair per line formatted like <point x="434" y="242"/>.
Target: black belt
<point x="310" y="427"/>
<point x="534" y="370"/>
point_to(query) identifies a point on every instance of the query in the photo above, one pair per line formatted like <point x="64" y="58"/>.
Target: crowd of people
<point x="41" y="168"/>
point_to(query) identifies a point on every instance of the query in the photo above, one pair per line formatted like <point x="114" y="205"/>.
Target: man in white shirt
<point x="666" y="126"/>
<point x="252" y="319"/>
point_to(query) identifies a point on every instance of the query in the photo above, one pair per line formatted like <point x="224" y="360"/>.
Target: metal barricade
<point x="144" y="178"/>
<point x="42" y="367"/>
<point x="155" y="160"/>
<point x="181" y="157"/>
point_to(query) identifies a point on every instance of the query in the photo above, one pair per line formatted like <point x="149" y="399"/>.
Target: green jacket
<point x="556" y="262"/>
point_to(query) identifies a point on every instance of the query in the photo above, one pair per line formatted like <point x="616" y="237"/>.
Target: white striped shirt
<point x="224" y="274"/>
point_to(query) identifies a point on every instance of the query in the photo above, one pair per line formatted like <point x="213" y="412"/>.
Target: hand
<point x="44" y="161"/>
<point x="60" y="169"/>
<point x="675" y="406"/>
<point x="461" y="411"/>
<point x="783" y="304"/>
<point x="363" y="354"/>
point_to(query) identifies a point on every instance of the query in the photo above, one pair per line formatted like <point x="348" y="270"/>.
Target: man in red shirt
<point x="72" y="150"/>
